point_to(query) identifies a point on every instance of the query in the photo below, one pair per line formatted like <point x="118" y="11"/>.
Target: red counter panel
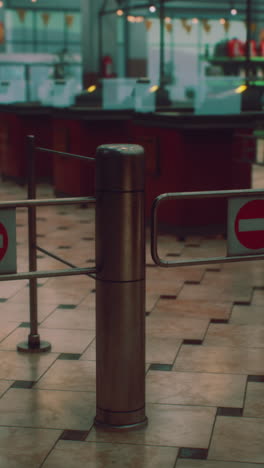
<point x="13" y="152"/>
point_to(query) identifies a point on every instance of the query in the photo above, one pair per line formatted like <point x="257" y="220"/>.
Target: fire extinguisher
<point x="107" y="66"/>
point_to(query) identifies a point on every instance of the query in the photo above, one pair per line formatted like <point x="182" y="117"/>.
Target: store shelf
<point x="232" y="60"/>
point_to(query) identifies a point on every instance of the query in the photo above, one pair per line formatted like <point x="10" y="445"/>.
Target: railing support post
<point x="33" y="345"/>
<point x="120" y="287"/>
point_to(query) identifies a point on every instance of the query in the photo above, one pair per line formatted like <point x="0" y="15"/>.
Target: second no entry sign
<point x="245" y="226"/>
<point x="7" y="241"/>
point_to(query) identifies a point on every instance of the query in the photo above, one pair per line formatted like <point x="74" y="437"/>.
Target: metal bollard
<point x="120" y="287"/>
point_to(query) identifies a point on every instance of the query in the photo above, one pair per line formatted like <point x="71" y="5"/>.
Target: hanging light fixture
<point x="233" y="9"/>
<point x="152" y="7"/>
<point x="119" y="10"/>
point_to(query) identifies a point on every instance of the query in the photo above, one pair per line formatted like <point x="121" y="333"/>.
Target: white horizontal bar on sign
<point x="255" y="224"/>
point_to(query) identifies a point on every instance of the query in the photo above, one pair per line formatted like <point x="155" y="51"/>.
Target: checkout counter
<point x="186" y="150"/>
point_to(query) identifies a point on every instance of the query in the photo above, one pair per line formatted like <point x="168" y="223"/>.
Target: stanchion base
<point x="121" y="428"/>
<point x="43" y="347"/>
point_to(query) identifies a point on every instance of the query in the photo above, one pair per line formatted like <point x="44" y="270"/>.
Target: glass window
<point x="49" y="29"/>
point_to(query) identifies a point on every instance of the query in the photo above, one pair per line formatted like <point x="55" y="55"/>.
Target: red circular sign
<point x="249" y="225"/>
<point x="3" y="241"/>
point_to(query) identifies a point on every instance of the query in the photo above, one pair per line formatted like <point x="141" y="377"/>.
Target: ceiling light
<point x="233" y="11"/>
<point x="119" y="12"/>
<point x="152" y="9"/>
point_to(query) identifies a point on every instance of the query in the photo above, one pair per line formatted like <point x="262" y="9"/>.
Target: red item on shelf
<point x="253" y="48"/>
<point x="235" y="48"/>
<point x="107" y="66"/>
<point x="261" y="48"/>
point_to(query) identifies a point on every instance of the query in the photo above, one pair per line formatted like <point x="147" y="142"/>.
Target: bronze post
<point x="120" y="287"/>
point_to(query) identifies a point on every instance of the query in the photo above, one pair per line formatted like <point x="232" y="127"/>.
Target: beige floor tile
<point x="90" y="353"/>
<point x="85" y="283"/>
<point x="254" y="403"/>
<point x="178" y="327"/>
<point x="69" y="375"/>
<point x="179" y="388"/>
<point x="25" y="447"/>
<point x="22" y="366"/>
<point x="169" y="425"/>
<point x="226" y="279"/>
<point x="200" y="292"/>
<point x="4" y="385"/>
<point x="151" y="300"/>
<point x="21" y="313"/>
<point x="10" y="288"/>
<point x="189" y="308"/>
<point x="46" y="263"/>
<point x="47" y="409"/>
<point x="175" y="275"/>
<point x="238" y="439"/>
<point x="247" y="315"/>
<point x="88" y="301"/>
<point x="62" y="296"/>
<point x="220" y="359"/>
<point x="6" y="329"/>
<point x="235" y="335"/>
<point x="251" y="273"/>
<point x="161" y="349"/>
<point x="51" y="296"/>
<point x="62" y="341"/>
<point x="258" y="297"/>
<point x="82" y="318"/>
<point x="163" y="287"/>
<point x="181" y="463"/>
<point x="91" y="455"/>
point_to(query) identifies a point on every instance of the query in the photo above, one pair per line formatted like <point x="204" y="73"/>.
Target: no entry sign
<point x="7" y="241"/>
<point x="245" y="226"/>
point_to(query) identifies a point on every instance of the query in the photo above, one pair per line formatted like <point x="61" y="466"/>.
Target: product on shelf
<point x="235" y="48"/>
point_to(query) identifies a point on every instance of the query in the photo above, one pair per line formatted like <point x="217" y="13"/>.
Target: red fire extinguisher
<point x="107" y="66"/>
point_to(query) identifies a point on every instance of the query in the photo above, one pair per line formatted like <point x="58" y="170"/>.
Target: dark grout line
<point x="234" y="412"/>
<point x="255" y="378"/>
<point x="193" y="453"/>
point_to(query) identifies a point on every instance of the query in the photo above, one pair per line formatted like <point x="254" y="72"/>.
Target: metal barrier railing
<point x="194" y="195"/>
<point x="34" y="344"/>
<point x="119" y="274"/>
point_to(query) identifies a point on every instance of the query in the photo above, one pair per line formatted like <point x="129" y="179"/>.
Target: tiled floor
<point x="204" y="357"/>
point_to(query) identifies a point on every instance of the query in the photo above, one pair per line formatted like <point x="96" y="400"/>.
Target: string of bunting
<point x="21" y="14"/>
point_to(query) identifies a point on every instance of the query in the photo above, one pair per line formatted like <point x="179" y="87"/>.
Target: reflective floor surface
<point x="204" y="357"/>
